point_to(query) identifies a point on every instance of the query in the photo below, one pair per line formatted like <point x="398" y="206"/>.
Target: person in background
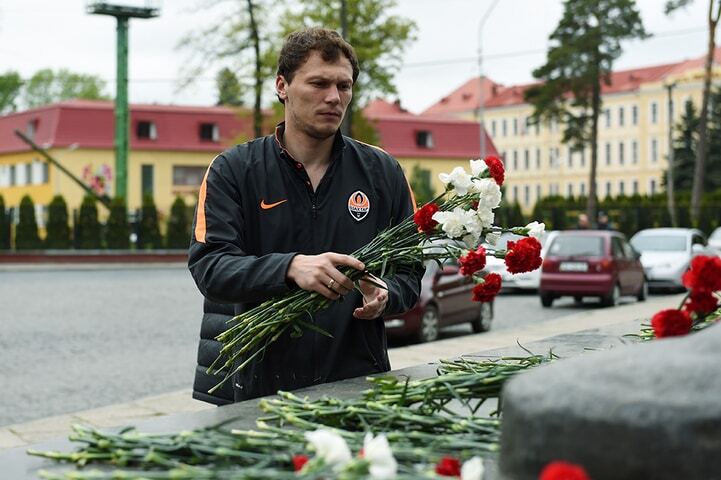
<point x="603" y="221"/>
<point x="583" y="223"/>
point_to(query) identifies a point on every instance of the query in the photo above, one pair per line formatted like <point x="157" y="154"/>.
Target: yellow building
<point x="633" y="132"/>
<point x="170" y="149"/>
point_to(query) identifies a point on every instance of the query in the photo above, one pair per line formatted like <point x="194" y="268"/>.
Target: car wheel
<point x="482" y="323"/>
<point x="429" y="324"/>
<point x="643" y="291"/>
<point x="546" y="299"/>
<point x="612" y="297"/>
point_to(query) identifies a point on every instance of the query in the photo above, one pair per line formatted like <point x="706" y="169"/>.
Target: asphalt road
<point x="73" y="340"/>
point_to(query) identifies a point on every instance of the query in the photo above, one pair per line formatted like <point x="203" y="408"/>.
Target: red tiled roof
<point x="452" y="138"/>
<point x="466" y="97"/>
<point x="90" y="124"/>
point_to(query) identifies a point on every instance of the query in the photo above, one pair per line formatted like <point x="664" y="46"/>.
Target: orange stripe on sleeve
<point x="200" y="228"/>
<point x="413" y="197"/>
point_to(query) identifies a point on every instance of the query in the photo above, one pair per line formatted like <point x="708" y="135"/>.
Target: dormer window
<point x="31" y="128"/>
<point x="146" y="130"/>
<point x="209" y="132"/>
<point x="424" y="139"/>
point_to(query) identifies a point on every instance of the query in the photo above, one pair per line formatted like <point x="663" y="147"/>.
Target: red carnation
<point x="299" y="461"/>
<point x="473" y="261"/>
<point x="424" y="217"/>
<point x="704" y="274"/>
<point x="523" y="255"/>
<point x="495" y="167"/>
<point x="563" y="471"/>
<point x="670" y="323"/>
<point x="449" y="467"/>
<point x="701" y="302"/>
<point x="486" y="291"/>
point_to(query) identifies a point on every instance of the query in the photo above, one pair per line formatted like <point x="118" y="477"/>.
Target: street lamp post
<point x="670" y="172"/>
<point x="480" y="77"/>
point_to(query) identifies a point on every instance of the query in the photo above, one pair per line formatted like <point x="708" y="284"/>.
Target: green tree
<point x="178" y="235"/>
<point x="117" y="230"/>
<point x="379" y="39"/>
<point x="684" y="150"/>
<point x="10" y="88"/>
<point x="712" y="19"/>
<point x="420" y="181"/>
<point x="4" y="226"/>
<point x="48" y="86"/>
<point x="26" y="231"/>
<point x="583" y="48"/>
<point x="58" y="229"/>
<point x="230" y="92"/>
<point x="241" y="40"/>
<point x="149" y="236"/>
<point x="87" y="227"/>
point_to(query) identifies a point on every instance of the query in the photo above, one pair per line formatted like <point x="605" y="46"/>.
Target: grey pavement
<point x="180" y="401"/>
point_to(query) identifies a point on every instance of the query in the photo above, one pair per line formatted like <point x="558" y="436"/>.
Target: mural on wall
<point x="99" y="180"/>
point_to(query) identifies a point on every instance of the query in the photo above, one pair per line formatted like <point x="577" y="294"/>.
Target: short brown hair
<point x="328" y="43"/>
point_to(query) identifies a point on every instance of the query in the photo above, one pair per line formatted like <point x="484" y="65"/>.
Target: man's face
<point x="316" y="99"/>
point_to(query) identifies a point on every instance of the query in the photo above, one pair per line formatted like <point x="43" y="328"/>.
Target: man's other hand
<point x="319" y="273"/>
<point x="374" y="299"/>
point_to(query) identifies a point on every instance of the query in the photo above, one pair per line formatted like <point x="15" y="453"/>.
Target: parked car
<point x="714" y="240"/>
<point x="597" y="263"/>
<point x="667" y="252"/>
<point x="445" y="299"/>
<point x="517" y="281"/>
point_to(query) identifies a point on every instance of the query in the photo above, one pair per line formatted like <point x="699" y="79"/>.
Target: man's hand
<point x="318" y="273"/>
<point x="374" y="299"/>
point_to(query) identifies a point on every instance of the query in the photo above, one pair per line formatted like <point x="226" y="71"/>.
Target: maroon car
<point x="445" y="299"/>
<point x="598" y="263"/>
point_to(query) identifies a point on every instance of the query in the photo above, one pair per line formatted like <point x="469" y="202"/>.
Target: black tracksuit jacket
<point x="257" y="210"/>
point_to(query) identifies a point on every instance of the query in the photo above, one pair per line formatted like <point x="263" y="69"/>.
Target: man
<point x="284" y="211"/>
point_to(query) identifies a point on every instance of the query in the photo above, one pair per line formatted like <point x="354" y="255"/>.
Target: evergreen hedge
<point x="149" y="235"/>
<point x="4" y="226"/>
<point x="58" y="229"/>
<point x="117" y="231"/>
<point x="26" y="232"/>
<point x="178" y="234"/>
<point x="87" y="226"/>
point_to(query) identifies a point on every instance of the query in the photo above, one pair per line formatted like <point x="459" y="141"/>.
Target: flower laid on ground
<point x="378" y="454"/>
<point x="330" y="447"/>
<point x="563" y="471"/>
<point x="699" y="308"/>
<point x="299" y="461"/>
<point x="450" y="226"/>
<point x="449" y="467"/>
<point x="472" y="469"/>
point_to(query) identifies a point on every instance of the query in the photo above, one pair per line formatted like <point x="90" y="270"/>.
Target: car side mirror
<point x="448" y="270"/>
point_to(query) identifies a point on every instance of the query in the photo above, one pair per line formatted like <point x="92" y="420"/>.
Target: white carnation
<point x="536" y="229"/>
<point x="485" y="217"/>
<point x="492" y="238"/>
<point x="377" y="452"/>
<point x="329" y="446"/>
<point x="472" y="469"/>
<point x="452" y="222"/>
<point x="478" y="167"/>
<point x="459" y="179"/>
<point x="489" y="193"/>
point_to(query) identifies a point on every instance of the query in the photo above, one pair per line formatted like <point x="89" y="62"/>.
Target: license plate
<point x="573" y="267"/>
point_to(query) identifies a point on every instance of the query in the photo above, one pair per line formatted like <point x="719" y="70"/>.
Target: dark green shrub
<point x="178" y="234"/>
<point x="149" y="235"/>
<point x="87" y="231"/>
<point x="117" y="231"/>
<point x="58" y="229"/>
<point x="26" y="232"/>
<point x="4" y="226"/>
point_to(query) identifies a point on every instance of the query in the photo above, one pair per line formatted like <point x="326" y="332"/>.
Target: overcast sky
<point x="36" y="34"/>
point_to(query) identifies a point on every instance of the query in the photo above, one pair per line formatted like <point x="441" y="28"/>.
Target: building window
<point x="504" y="127"/>
<point x="583" y="158"/>
<point x="570" y="158"/>
<point x="188" y="176"/>
<point x="538" y="128"/>
<point x="620" y="116"/>
<point x="621" y="151"/>
<point x="608" y="153"/>
<point x="538" y="192"/>
<point x="493" y="127"/>
<point x="635" y="187"/>
<point x="515" y="193"/>
<point x="209" y="132"/>
<point x="582" y="188"/>
<point x="652" y="187"/>
<point x="41" y="215"/>
<point x="12" y="176"/>
<point x="569" y="190"/>
<point x="654" y="112"/>
<point x="634" y="152"/>
<point x="146" y="130"/>
<point x="538" y="158"/>
<point x="654" y="150"/>
<point x="526" y="159"/>
<point x="147" y="182"/>
<point x="38" y="172"/>
<point x="32" y="128"/>
<point x="21" y="174"/>
<point x="634" y="115"/>
<point x="424" y="139"/>
<point x="515" y="126"/>
<point x="621" y="189"/>
<point x="515" y="160"/>
<point x="608" y="189"/>
<point x="526" y="194"/>
<point x="607" y="114"/>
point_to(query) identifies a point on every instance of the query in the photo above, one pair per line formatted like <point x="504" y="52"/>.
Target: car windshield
<point x="577" y="245"/>
<point x="659" y="243"/>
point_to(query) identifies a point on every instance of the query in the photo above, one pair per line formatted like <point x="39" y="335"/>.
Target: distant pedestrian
<point x="603" y="221"/>
<point x="583" y="223"/>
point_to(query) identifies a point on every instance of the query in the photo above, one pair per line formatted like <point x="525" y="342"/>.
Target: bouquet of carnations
<point x="451" y="226"/>
<point x="699" y="308"/>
